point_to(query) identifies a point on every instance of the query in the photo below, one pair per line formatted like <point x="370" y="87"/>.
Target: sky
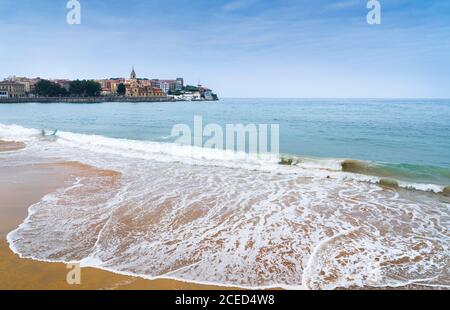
<point x="239" y="48"/>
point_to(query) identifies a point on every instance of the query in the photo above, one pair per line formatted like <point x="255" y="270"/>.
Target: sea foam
<point x="170" y="152"/>
<point x="203" y="216"/>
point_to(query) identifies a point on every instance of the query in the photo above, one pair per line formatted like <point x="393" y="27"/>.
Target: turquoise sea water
<point x="408" y="139"/>
<point x="210" y="217"/>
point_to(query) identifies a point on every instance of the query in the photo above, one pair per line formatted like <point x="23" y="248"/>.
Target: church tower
<point x="132" y="85"/>
<point x="133" y="74"/>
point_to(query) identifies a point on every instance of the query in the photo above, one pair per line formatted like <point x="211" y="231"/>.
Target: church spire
<point x="133" y="74"/>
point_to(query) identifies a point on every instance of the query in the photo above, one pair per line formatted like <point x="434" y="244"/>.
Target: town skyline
<point x="43" y="77"/>
<point x="24" y="88"/>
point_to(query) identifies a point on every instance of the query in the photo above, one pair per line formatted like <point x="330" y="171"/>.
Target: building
<point x="64" y="84"/>
<point x="165" y="86"/>
<point x="106" y="92"/>
<point x="132" y="85"/>
<point x="106" y="87"/>
<point x="115" y="83"/>
<point x="33" y="83"/>
<point x="109" y="86"/>
<point x="14" y="89"/>
<point x="205" y="93"/>
<point x="4" y="94"/>
<point x="138" y="88"/>
<point x="157" y="92"/>
<point x="190" y="96"/>
<point x="179" y="84"/>
<point x="168" y="86"/>
<point x="155" y="83"/>
<point x="30" y="83"/>
<point x="22" y="80"/>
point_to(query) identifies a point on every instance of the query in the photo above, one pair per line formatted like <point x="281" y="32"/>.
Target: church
<point x="141" y="88"/>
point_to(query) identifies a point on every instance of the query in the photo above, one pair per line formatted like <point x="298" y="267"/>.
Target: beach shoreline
<point x="26" y="178"/>
<point x="26" y="185"/>
<point x="10" y="146"/>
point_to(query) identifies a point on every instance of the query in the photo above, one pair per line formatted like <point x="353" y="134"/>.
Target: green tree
<point x="85" y="88"/>
<point x="191" y="88"/>
<point x="76" y="88"/>
<point x="93" y="89"/>
<point x="121" y="89"/>
<point x="45" y="88"/>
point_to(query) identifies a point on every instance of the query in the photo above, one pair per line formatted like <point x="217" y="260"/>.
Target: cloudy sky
<point x="240" y="48"/>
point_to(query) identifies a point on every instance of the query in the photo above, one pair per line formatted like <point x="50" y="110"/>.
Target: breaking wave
<point x="220" y="218"/>
<point x="423" y="178"/>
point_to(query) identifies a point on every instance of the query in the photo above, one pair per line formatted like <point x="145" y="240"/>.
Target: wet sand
<point x="21" y="187"/>
<point x="8" y="146"/>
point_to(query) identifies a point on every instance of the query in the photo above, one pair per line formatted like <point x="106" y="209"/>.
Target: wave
<point x="209" y="216"/>
<point x="407" y="176"/>
<point x="414" y="177"/>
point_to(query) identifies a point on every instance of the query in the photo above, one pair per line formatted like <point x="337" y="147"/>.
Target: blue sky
<point x="240" y="48"/>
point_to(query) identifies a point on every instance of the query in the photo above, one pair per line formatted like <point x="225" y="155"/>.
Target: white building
<point x="189" y="96"/>
<point x="165" y="87"/>
<point x="21" y="80"/>
<point x="4" y="94"/>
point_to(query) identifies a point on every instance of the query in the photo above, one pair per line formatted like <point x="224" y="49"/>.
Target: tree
<point x="85" y="88"/>
<point x="93" y="89"/>
<point x="76" y="88"/>
<point x="191" y="88"/>
<point x="121" y="89"/>
<point x="47" y="88"/>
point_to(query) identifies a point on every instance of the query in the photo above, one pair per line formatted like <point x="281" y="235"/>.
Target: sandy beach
<point x="169" y="219"/>
<point x="21" y="187"/>
<point x="8" y="146"/>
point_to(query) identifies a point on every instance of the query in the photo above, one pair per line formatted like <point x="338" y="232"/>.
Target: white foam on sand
<point x="201" y="216"/>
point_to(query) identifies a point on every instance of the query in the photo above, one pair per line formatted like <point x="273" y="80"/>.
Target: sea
<point x="357" y="196"/>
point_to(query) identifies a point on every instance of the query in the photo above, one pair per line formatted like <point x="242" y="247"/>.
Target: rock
<point x="352" y="166"/>
<point x="388" y="183"/>
<point x="286" y="161"/>
<point x="446" y="191"/>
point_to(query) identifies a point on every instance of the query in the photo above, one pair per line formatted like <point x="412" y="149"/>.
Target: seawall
<point x="84" y="99"/>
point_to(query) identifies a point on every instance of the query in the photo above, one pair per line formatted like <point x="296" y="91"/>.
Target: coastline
<point x="24" y="186"/>
<point x="91" y="99"/>
<point x="84" y="99"/>
<point x="38" y="174"/>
